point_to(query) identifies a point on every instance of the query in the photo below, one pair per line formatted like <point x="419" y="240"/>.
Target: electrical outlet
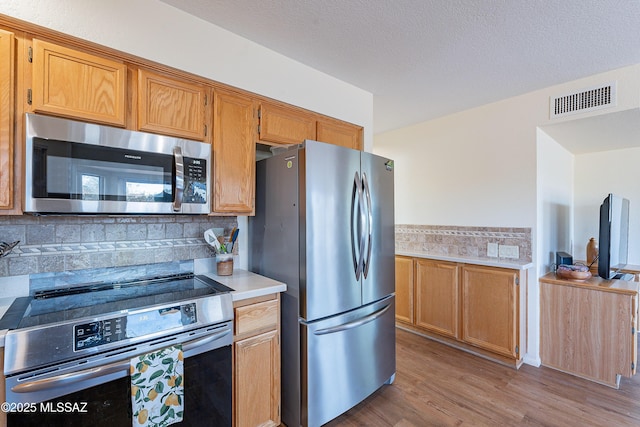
<point x="492" y="250"/>
<point x="507" y="251"/>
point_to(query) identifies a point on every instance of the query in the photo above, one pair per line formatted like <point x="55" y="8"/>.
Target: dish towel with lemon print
<point x="157" y="387"/>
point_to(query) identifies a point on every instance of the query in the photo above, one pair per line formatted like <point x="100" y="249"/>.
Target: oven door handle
<point x="104" y="370"/>
<point x="193" y="345"/>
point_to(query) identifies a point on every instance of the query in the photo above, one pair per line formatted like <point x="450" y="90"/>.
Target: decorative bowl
<point x="573" y="272"/>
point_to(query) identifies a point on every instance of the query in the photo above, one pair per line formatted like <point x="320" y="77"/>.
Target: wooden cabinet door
<point x="171" y="107"/>
<point x="404" y="289"/>
<point x="584" y="329"/>
<point x="74" y="84"/>
<point x="342" y="134"/>
<point x="283" y="125"/>
<point x="490" y="304"/>
<point x="257" y="374"/>
<point x="7" y="67"/>
<point x="234" y="153"/>
<point x="437" y="303"/>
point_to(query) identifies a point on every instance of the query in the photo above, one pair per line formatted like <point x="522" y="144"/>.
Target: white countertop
<point x="513" y="264"/>
<point x="246" y="284"/>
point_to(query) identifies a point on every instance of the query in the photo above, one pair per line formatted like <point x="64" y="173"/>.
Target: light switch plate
<point x="492" y="250"/>
<point x="508" y="251"/>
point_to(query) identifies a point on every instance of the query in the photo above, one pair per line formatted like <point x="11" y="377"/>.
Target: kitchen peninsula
<point x="451" y="287"/>
<point x="476" y="304"/>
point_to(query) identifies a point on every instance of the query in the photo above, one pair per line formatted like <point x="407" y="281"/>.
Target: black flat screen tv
<point x="614" y="236"/>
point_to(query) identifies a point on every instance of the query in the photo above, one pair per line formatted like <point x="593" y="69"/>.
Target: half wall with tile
<point x="461" y="241"/>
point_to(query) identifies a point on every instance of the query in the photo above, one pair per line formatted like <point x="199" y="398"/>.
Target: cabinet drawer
<point x="256" y="317"/>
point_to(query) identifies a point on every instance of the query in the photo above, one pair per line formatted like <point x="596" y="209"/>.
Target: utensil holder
<point x="224" y="264"/>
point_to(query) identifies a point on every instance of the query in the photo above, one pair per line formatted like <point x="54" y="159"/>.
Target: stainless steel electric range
<point x="74" y="345"/>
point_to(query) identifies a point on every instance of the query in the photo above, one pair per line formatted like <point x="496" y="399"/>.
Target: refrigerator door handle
<point x="369" y="229"/>
<point x="357" y="226"/>
<point x="355" y="323"/>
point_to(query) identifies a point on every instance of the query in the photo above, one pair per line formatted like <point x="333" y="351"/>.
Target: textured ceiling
<point x="424" y="59"/>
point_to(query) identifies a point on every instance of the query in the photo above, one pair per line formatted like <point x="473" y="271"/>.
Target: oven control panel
<point x="139" y="324"/>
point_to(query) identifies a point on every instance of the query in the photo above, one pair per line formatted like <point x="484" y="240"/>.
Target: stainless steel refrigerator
<point x="324" y="225"/>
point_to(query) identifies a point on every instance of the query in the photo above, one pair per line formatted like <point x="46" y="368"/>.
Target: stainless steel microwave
<point x="77" y="167"/>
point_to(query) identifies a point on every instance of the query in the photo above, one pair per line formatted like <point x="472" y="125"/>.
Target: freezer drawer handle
<point x="369" y="318"/>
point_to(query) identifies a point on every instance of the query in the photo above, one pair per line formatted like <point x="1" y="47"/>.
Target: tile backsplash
<point x="63" y="243"/>
<point x="461" y="241"/>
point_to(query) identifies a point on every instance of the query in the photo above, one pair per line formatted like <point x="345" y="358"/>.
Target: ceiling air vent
<point x="589" y="99"/>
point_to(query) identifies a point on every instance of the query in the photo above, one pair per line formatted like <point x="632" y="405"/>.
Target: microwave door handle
<point x="179" y="164"/>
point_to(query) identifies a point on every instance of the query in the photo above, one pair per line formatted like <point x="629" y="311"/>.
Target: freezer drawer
<point x="348" y="357"/>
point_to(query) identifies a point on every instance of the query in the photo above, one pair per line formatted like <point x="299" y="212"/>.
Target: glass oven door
<point x="207" y="399"/>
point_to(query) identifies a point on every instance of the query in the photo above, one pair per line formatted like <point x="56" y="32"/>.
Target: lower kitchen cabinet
<point x="472" y="307"/>
<point x="257" y="362"/>
<point x="589" y="328"/>
<point x="404" y="289"/>
<point x="437" y="302"/>
<point x="490" y="302"/>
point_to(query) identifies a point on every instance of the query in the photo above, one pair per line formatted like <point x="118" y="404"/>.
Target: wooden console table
<point x="589" y="328"/>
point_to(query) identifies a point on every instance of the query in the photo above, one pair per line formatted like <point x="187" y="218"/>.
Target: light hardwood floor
<point x="437" y="385"/>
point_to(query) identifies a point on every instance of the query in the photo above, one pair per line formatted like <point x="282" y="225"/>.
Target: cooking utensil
<point x="5" y="248"/>
<point x="211" y="239"/>
<point x="233" y="236"/>
<point x="233" y="230"/>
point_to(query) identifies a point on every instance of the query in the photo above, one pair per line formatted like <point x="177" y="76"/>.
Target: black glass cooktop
<point x="94" y="299"/>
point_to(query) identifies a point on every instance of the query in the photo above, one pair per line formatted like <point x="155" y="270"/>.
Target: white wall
<point x="156" y="31"/>
<point x="475" y="168"/>
<point x="490" y="166"/>
<point x="554" y="230"/>
<point x="555" y="201"/>
<point x="596" y="175"/>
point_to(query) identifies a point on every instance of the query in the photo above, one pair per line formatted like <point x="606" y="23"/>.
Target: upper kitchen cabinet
<point x="234" y="151"/>
<point x="7" y="67"/>
<point x="282" y="125"/>
<point x="172" y="107"/>
<point x="75" y="84"/>
<point x="339" y="133"/>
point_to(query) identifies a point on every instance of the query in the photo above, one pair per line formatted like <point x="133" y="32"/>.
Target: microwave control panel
<point x="195" y="181"/>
